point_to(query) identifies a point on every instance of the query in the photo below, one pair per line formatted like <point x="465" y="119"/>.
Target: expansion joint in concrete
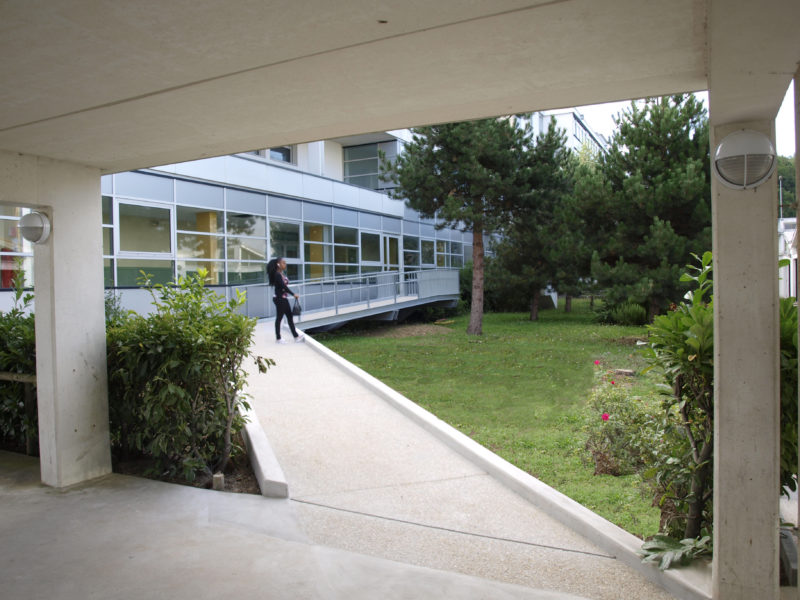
<point x="448" y="530"/>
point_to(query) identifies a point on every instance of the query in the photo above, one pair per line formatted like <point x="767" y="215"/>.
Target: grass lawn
<point x="519" y="389"/>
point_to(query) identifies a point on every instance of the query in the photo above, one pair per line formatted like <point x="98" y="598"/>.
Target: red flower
<point x="597" y="362"/>
<point x="612" y="382"/>
<point x="604" y="416"/>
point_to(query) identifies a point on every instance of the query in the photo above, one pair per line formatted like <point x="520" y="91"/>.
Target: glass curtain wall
<point x="168" y="227"/>
<point x="16" y="254"/>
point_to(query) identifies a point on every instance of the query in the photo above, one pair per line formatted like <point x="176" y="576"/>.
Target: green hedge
<point x="18" y="423"/>
<point x="176" y="379"/>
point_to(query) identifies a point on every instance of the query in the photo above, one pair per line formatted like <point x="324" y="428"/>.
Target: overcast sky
<point x="600" y="118"/>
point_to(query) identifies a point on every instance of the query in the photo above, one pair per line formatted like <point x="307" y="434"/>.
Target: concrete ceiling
<point x="124" y="85"/>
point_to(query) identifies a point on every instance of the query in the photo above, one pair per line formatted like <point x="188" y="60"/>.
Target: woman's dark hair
<point x="272" y="268"/>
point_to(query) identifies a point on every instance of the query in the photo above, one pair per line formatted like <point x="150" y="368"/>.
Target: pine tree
<point x="540" y="244"/>
<point x="463" y="174"/>
<point x="654" y="209"/>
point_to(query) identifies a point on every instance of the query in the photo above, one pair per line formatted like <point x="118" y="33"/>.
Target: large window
<point x="241" y="273"/>
<point x="281" y="154"/>
<point x="345" y="250"/>
<point x="15" y="252"/>
<point x="246" y="224"/>
<point x="144" y="229"/>
<point x="456" y="254"/>
<point x="428" y="256"/>
<point x="129" y="271"/>
<point x="318" y="250"/>
<point x="370" y="248"/>
<point x="215" y="270"/>
<point x="284" y="239"/>
<point x="442" y="253"/>
<point x="411" y="251"/>
<point x="362" y="164"/>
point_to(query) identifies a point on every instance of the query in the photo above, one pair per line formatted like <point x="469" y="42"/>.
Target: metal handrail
<point x="367" y="289"/>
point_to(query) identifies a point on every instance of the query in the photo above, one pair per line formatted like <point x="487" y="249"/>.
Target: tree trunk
<point x="694" y="520"/>
<point x="568" y="304"/>
<point x="476" y="313"/>
<point x="535" y="306"/>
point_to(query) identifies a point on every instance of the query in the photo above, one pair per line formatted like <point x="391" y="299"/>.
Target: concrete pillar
<point x="70" y="325"/>
<point x="797" y="178"/>
<point x="746" y="394"/>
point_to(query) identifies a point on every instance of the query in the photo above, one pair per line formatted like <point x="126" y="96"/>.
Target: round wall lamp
<point x="35" y="227"/>
<point x="744" y="159"/>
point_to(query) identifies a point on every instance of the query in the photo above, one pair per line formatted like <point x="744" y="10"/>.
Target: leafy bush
<point x="624" y="432"/>
<point x="629" y="313"/>
<point x="115" y="314"/>
<point x="18" y="422"/>
<point x="788" y="358"/>
<point x="682" y="347"/>
<point x="176" y="378"/>
<point x="680" y="469"/>
<point x="667" y="551"/>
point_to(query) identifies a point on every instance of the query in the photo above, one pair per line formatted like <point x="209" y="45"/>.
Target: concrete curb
<point x="268" y="472"/>
<point x="689" y="583"/>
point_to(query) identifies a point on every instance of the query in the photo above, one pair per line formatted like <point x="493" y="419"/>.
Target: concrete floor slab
<point x="127" y="538"/>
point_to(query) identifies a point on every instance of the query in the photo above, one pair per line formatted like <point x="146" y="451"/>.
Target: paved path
<point x="363" y="477"/>
<point x="128" y="538"/>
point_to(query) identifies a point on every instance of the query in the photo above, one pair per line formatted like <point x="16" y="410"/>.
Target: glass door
<point x="391" y="253"/>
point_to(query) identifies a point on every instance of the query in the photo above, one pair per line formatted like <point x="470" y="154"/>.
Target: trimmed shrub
<point x="624" y="433"/>
<point x="629" y="313"/>
<point x="788" y="358"/>
<point x="176" y="378"/>
<point x="18" y="422"/>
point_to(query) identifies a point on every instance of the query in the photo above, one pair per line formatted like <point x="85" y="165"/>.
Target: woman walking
<point x="277" y="278"/>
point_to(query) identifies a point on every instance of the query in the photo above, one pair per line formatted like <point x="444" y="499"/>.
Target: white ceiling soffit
<point x="123" y="85"/>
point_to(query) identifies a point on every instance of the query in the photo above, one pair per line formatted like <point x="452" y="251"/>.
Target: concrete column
<point x="70" y="325"/>
<point x="797" y="177"/>
<point x="746" y="393"/>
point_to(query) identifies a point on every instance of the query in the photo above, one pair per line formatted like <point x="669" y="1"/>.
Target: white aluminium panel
<point x="345" y="195"/>
<point x="284" y="181"/>
<point x="246" y="173"/>
<point x="393" y="207"/>
<point x="210" y="169"/>
<point x="317" y="188"/>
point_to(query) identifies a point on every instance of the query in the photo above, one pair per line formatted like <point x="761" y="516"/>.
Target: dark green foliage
<point x="787" y="187"/>
<point x="536" y="247"/>
<point x="788" y="357"/>
<point x="18" y="422"/>
<point x="624" y="432"/>
<point x="682" y="346"/>
<point x="654" y="207"/>
<point x="629" y="313"/>
<point x="669" y="552"/>
<point x="176" y="379"/>
<point x="499" y="294"/>
<point x="463" y="174"/>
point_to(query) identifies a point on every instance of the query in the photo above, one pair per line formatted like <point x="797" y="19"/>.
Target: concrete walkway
<point x="127" y="538"/>
<point x="380" y="507"/>
<point x="364" y="477"/>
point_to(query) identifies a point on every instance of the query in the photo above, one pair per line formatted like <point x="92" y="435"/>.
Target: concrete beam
<point x="746" y="394"/>
<point x="70" y="325"/>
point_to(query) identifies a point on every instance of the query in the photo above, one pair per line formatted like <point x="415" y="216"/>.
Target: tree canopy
<point x="541" y="239"/>
<point x="654" y="208"/>
<point x="465" y="175"/>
